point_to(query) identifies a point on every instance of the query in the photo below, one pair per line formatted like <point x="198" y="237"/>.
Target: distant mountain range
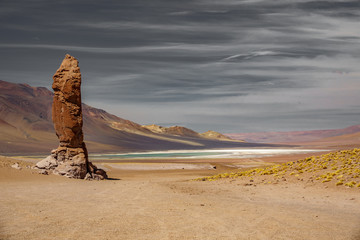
<point x="26" y="128"/>
<point x="351" y="134"/>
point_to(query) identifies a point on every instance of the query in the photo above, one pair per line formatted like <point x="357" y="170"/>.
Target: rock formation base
<point x="72" y="163"/>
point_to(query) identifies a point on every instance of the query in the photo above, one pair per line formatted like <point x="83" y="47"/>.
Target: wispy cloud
<point x="181" y="13"/>
<point x="251" y="55"/>
<point x="236" y="65"/>
<point x="117" y="50"/>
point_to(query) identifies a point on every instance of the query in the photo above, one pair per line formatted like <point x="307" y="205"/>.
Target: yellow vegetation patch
<point x="341" y="168"/>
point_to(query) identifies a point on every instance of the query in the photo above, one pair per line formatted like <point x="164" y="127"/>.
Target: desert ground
<point x="168" y="204"/>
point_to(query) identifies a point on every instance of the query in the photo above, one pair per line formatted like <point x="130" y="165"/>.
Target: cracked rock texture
<point x="66" y="109"/>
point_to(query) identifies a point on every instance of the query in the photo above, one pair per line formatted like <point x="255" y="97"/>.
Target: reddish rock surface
<point x="71" y="157"/>
<point x="66" y="109"/>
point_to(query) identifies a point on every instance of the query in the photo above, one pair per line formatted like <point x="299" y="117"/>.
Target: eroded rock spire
<point x="70" y="158"/>
<point x="66" y="109"/>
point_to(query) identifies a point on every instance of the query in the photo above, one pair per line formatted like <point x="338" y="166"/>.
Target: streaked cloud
<point x="229" y="65"/>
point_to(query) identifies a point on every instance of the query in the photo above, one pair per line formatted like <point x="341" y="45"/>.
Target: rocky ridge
<point x="216" y="135"/>
<point x="174" y="130"/>
<point x="183" y="131"/>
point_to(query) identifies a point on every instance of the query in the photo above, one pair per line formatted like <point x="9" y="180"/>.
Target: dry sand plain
<point x="166" y="205"/>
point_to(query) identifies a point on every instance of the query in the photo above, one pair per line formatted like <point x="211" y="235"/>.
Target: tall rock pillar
<point x="70" y="158"/>
<point x="66" y="109"/>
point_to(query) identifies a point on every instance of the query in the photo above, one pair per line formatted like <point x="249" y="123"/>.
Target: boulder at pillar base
<point x="71" y="163"/>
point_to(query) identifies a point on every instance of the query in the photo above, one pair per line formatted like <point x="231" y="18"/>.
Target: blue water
<point x="221" y="153"/>
<point x="156" y="155"/>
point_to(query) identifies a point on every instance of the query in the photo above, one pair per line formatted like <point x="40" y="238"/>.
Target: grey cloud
<point x="330" y="5"/>
<point x="284" y="53"/>
<point x="164" y="49"/>
<point x="185" y="87"/>
<point x="282" y="121"/>
<point x="259" y="65"/>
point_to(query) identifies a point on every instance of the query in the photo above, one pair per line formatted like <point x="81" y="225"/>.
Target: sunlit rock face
<point x="66" y="109"/>
<point x="71" y="157"/>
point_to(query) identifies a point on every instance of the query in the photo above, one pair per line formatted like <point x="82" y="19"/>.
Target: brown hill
<point x="215" y="135"/>
<point x="186" y="132"/>
<point x="174" y="130"/>
<point x="294" y="136"/>
<point x="26" y="127"/>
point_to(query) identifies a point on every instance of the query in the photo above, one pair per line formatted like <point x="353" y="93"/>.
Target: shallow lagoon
<point x="216" y="153"/>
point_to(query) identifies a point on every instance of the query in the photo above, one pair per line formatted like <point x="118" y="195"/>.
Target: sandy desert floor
<point x="167" y="205"/>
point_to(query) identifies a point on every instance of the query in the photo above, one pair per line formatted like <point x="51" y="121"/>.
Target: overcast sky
<point x="225" y="65"/>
